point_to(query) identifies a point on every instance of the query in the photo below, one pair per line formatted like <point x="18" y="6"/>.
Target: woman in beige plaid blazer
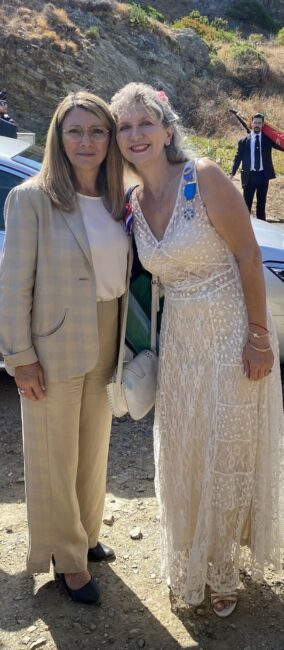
<point x="62" y="274"/>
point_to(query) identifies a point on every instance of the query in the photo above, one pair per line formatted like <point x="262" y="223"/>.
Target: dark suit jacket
<point x="243" y="156"/>
<point x="8" y="127"/>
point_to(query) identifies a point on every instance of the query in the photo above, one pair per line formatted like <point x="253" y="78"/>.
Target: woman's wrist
<point x="258" y="336"/>
<point x="254" y="337"/>
<point x="259" y="347"/>
<point x="258" y="328"/>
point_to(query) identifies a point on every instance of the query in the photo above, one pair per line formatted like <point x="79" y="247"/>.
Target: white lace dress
<point x="217" y="435"/>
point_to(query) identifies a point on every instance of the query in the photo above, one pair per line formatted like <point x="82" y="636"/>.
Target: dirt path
<point x="136" y="611"/>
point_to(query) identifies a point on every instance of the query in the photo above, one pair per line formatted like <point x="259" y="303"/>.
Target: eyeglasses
<point x="3" y="102"/>
<point x="95" y="133"/>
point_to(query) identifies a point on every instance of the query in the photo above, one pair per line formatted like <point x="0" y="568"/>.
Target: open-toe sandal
<point x="232" y="598"/>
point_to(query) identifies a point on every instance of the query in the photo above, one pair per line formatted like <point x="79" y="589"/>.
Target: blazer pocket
<point x="53" y="330"/>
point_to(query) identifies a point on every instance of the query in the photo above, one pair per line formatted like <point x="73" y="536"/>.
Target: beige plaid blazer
<point x="47" y="288"/>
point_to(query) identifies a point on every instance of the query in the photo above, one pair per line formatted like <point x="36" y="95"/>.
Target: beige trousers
<point x="66" y="441"/>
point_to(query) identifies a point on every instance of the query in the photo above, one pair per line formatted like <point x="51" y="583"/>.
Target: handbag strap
<point x="154" y="309"/>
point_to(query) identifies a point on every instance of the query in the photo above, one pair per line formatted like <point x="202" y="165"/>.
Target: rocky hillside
<point x="47" y="51"/>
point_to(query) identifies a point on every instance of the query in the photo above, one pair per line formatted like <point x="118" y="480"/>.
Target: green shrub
<point x="196" y="15"/>
<point x="256" y="39"/>
<point x="153" y="13"/>
<point x="245" y="53"/>
<point x="280" y="37"/>
<point x="204" y="29"/>
<point x="220" y="23"/>
<point x="138" y="16"/>
<point x="252" y="12"/>
<point x="93" y="33"/>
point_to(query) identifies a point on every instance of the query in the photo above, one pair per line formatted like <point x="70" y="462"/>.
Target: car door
<point x="9" y="178"/>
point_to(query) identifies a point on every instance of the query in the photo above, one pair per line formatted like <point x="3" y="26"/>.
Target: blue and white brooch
<point x="189" y="190"/>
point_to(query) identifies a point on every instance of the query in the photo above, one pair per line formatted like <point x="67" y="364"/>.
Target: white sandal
<point x="217" y="598"/>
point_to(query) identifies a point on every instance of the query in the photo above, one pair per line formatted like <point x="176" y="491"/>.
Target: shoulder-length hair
<point x="55" y="177"/>
<point x="157" y="103"/>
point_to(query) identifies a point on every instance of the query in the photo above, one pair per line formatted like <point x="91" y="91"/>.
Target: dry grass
<point x="272" y="107"/>
<point x="24" y="11"/>
<point x="51" y="27"/>
<point x="122" y="9"/>
<point x="57" y="17"/>
<point x="275" y="55"/>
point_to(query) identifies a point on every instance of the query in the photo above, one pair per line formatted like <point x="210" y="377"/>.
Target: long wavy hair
<point x="56" y="177"/>
<point x="157" y="103"/>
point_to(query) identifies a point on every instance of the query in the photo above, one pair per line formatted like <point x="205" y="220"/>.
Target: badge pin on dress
<point x="188" y="212"/>
<point x="189" y="192"/>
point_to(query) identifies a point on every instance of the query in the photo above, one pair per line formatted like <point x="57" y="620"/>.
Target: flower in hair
<point x="162" y="95"/>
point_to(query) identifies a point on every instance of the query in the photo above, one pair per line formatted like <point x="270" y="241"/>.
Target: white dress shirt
<point x="109" y="247"/>
<point x="252" y="148"/>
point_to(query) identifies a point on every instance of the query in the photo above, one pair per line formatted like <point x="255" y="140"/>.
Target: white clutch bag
<point x="133" y="388"/>
<point x="135" y="393"/>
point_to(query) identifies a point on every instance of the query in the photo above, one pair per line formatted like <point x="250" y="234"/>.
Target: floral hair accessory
<point x="162" y="95"/>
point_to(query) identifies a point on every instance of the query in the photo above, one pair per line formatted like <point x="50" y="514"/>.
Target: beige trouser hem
<point x="66" y="442"/>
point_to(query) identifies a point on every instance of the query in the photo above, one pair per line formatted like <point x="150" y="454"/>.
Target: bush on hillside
<point x="253" y="13"/>
<point x="280" y="37"/>
<point x="153" y="13"/>
<point x="138" y="17"/>
<point x="256" y="39"/>
<point x="93" y="33"/>
<point x="140" y="14"/>
<point x="196" y="15"/>
<point x="246" y="54"/>
<point x="204" y="29"/>
<point x="220" y="23"/>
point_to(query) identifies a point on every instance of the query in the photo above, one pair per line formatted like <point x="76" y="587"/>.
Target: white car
<point x="270" y="237"/>
<point x="17" y="162"/>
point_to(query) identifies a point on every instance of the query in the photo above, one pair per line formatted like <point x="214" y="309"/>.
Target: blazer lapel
<point x="75" y="222"/>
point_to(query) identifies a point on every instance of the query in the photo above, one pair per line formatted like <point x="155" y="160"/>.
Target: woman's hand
<point x="30" y="381"/>
<point x="257" y="365"/>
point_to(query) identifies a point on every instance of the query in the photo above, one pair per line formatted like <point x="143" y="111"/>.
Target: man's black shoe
<point x="101" y="553"/>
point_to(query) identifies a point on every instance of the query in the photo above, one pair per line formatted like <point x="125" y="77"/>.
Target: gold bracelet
<point x="259" y="349"/>
<point x="257" y="325"/>
<point x="258" y="336"/>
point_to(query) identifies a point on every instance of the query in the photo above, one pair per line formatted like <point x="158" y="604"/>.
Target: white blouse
<point x="109" y="247"/>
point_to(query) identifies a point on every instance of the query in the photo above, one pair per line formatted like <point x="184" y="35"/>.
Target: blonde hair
<point x="55" y="176"/>
<point x="157" y="103"/>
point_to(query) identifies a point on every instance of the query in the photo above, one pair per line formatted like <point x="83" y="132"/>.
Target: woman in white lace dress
<point x="219" y="420"/>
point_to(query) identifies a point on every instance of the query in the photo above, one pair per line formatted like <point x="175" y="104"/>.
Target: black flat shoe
<point x="89" y="594"/>
<point x="101" y="553"/>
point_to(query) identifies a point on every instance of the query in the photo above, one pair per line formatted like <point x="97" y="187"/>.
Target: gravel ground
<point x="136" y="611"/>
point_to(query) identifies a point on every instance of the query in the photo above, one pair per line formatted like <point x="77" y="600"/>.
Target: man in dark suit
<point x="7" y="125"/>
<point x="254" y="152"/>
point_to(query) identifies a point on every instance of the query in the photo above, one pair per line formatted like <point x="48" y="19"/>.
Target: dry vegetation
<point x="266" y="97"/>
<point x="50" y="27"/>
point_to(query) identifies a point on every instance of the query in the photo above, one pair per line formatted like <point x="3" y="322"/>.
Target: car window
<point x="7" y="182"/>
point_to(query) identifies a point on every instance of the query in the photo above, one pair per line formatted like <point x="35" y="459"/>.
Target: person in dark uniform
<point x="255" y="153"/>
<point x="7" y="125"/>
